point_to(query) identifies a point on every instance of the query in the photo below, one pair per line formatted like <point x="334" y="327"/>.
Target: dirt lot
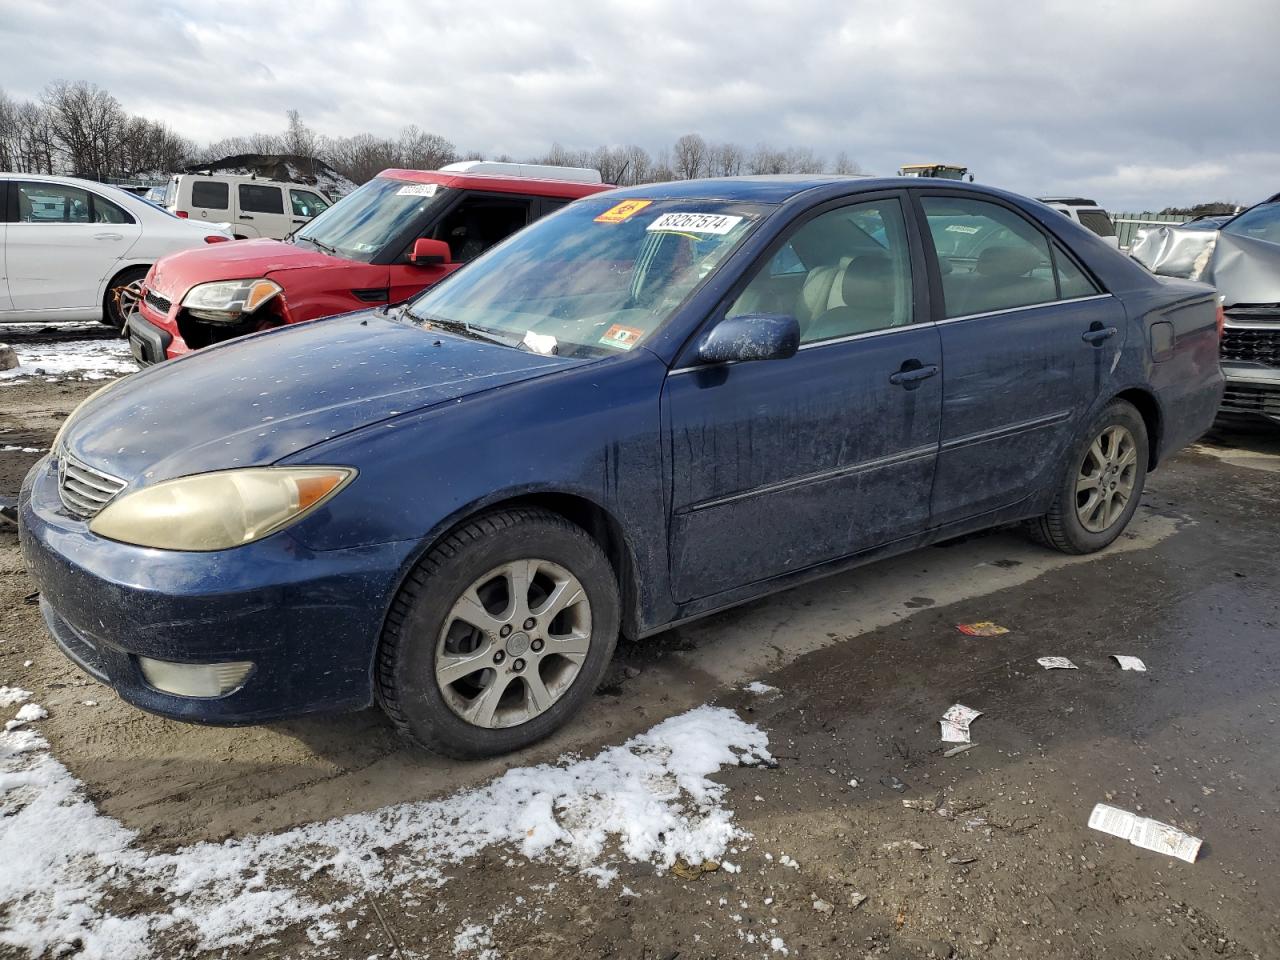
<point x="992" y="859"/>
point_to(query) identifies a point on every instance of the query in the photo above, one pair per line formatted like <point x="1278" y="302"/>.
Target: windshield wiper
<point x="320" y="245"/>
<point x="454" y="326"/>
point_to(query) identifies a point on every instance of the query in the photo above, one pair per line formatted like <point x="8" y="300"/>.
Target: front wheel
<point x="1101" y="485"/>
<point x="121" y="297"/>
<point x="499" y="635"/>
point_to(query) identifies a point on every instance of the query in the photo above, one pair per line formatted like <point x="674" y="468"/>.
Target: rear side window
<point x="306" y="204"/>
<point x="104" y="211"/>
<point x="994" y="259"/>
<point x="210" y="195"/>
<point x="256" y="198"/>
<point x="1098" y="222"/>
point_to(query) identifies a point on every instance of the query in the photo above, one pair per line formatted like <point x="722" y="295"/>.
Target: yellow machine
<point x="944" y="171"/>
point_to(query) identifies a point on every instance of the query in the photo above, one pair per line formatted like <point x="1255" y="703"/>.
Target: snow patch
<point x="649" y="800"/>
<point x="759" y="689"/>
<point x="98" y="359"/>
<point x="11" y="695"/>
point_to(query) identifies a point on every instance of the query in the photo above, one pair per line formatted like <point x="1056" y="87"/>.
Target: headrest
<point x="1006" y="263"/>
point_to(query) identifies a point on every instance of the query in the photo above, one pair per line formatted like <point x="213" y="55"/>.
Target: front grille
<point x="84" y="490"/>
<point x="1261" y="401"/>
<point x="1251" y="345"/>
<point x="158" y="303"/>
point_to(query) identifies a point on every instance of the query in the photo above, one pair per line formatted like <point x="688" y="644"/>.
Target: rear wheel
<point x="1101" y="485"/>
<point x="499" y="635"/>
<point x="121" y="296"/>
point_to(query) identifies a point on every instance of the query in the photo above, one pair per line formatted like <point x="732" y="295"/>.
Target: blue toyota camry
<point x="652" y="405"/>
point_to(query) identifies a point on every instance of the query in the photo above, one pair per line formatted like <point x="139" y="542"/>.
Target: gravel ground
<point x="991" y="858"/>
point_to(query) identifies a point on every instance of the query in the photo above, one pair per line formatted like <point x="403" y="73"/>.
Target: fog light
<point x="195" y="679"/>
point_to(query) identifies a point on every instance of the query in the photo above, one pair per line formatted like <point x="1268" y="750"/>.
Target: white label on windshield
<point x="418" y="190"/>
<point x="696" y="222"/>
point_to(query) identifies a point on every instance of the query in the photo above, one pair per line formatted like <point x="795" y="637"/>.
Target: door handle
<point x="1098" y="333"/>
<point x="107" y="236"/>
<point x="299" y="221"/>
<point x="245" y="216"/>
<point x="912" y="373"/>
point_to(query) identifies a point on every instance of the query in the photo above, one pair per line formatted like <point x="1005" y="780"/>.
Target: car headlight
<point x="226" y="301"/>
<point x="216" y="511"/>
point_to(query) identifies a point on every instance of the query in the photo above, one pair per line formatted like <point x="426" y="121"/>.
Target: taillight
<point x="1222" y="320"/>
<point x="214" y="238"/>
<point x="182" y="214"/>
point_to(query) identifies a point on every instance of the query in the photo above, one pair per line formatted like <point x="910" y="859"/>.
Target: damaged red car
<point x="401" y="232"/>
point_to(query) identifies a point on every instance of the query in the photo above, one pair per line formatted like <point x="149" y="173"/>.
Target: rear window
<point x="209" y="195"/>
<point x="1098" y="222"/>
<point x="256" y="198"/>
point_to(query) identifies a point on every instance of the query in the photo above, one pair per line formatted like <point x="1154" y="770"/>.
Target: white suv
<point x="252" y="206"/>
<point x="68" y="246"/>
<point x="1087" y="214"/>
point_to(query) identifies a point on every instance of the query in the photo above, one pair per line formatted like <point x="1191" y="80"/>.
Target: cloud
<point x="1053" y="97"/>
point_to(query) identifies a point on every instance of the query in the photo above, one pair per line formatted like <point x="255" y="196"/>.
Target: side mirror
<point x="429" y="252"/>
<point x="764" y="336"/>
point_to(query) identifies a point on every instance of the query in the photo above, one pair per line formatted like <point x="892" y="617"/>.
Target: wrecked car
<point x="652" y="405"/>
<point x="1241" y="257"/>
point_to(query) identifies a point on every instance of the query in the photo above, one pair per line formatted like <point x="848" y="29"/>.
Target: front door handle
<point x="299" y="221"/>
<point x="912" y="373"/>
<point x="107" y="236"/>
<point x="1098" y="333"/>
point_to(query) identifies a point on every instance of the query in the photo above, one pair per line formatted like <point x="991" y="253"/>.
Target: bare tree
<point x="844" y="165"/>
<point x="299" y="139"/>
<point x="726" y="160"/>
<point x="690" y="156"/>
<point x="419" y="150"/>
<point x="86" y="122"/>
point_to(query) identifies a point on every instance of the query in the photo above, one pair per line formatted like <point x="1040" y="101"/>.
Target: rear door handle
<point x="1098" y="334"/>
<point x="912" y="374"/>
<point x="299" y="221"/>
<point x="244" y="216"/>
<point x="107" y="236"/>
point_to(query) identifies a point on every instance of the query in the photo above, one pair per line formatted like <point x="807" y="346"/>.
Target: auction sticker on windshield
<point x="717" y="223"/>
<point x="624" y="338"/>
<point x="622" y="211"/>
<point x="418" y="190"/>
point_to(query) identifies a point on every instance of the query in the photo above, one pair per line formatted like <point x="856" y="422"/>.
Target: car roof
<point x="484" y="181"/>
<point x="779" y="188"/>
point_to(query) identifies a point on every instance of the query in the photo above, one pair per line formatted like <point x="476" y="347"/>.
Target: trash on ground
<point x="983" y="628"/>
<point x="1129" y="663"/>
<point x="1145" y="832"/>
<point x="822" y="906"/>
<point x="893" y="783"/>
<point x="856" y="900"/>
<point x="928" y="805"/>
<point x="693" y="871"/>
<point x="956" y="751"/>
<point x="962" y="861"/>
<point x="1056" y="663"/>
<point x="955" y="723"/>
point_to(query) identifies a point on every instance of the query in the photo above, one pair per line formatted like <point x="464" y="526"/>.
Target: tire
<point x="1064" y="526"/>
<point x="425" y="631"/>
<point x="111" y="314"/>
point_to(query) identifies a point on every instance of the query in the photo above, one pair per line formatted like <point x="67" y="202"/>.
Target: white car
<point x="67" y="246"/>
<point x="1086" y="213"/>
<point x="254" y="206"/>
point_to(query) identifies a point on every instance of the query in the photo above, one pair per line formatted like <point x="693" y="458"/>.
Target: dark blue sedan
<point x="652" y="405"/>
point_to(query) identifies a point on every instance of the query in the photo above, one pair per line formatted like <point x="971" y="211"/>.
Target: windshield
<point x="360" y="224"/>
<point x="593" y="280"/>
<point x="1261" y="223"/>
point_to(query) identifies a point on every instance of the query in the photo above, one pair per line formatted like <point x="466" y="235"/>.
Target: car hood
<point x="1246" y="269"/>
<point x="177" y="273"/>
<point x="258" y="399"/>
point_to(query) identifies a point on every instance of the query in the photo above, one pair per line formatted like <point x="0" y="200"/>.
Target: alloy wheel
<point x="513" y="643"/>
<point x="1105" y="482"/>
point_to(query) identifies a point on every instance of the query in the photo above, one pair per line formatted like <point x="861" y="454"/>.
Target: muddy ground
<point x="998" y="863"/>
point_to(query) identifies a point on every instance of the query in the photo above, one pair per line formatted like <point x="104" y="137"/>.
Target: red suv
<point x="399" y="233"/>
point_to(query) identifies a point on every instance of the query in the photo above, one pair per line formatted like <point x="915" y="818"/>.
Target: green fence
<point x="1127" y="224"/>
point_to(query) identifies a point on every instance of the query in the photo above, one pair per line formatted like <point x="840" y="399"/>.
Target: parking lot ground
<point x="993" y="858"/>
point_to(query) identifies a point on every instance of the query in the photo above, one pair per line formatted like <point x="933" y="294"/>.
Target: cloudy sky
<point x="1141" y="104"/>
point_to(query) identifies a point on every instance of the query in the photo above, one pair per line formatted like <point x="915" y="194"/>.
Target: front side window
<point x="256" y="198"/>
<point x="596" y="279"/>
<point x="990" y="257"/>
<point x="210" y="195"/>
<point x="53" y="203"/>
<point x="479" y="223"/>
<point x="361" y="224"/>
<point x="306" y="204"/>
<point x="847" y="271"/>
<point x="1261" y="223"/>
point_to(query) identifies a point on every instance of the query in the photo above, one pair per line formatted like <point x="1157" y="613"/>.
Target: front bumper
<point x="308" y="620"/>
<point x="148" y="342"/>
<point x="1253" y="391"/>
